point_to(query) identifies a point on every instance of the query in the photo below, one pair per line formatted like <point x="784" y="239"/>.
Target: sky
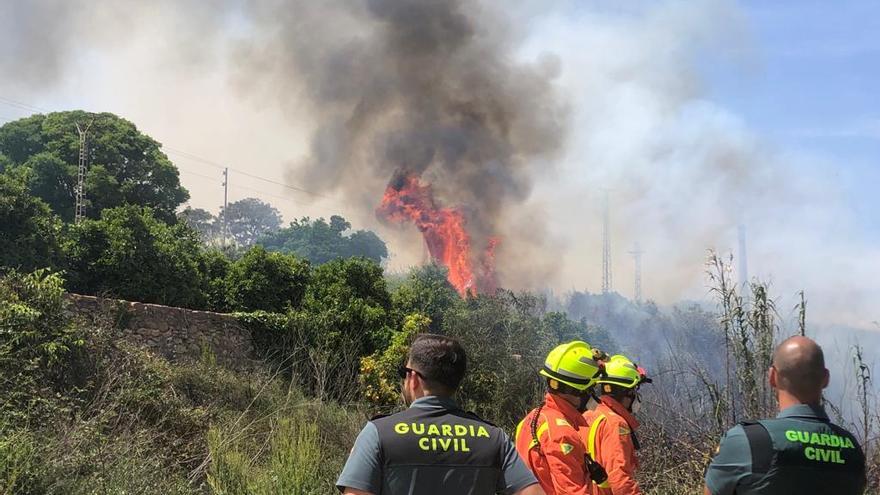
<point x="696" y="115"/>
<point x="811" y="86"/>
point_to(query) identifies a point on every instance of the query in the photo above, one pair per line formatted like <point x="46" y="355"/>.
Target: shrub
<point x="35" y="338"/>
<point x="29" y="231"/>
<point x="378" y="378"/>
<point x="131" y="254"/>
<point x="261" y="280"/>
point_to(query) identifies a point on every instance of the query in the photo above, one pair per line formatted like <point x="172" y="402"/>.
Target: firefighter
<point x="434" y="447"/>
<point x="549" y="439"/>
<point x="611" y="438"/>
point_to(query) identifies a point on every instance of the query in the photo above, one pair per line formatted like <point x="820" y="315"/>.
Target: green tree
<point x="346" y="315"/>
<point x="131" y="254"/>
<point x="125" y="166"/>
<point x="319" y="241"/>
<point x="29" y="231"/>
<point x="261" y="280"/>
<point x="202" y="221"/>
<point x="248" y="219"/>
<point x="427" y="291"/>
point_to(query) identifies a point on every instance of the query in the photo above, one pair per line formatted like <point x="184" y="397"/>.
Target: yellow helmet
<point x="571" y="364"/>
<point x="621" y="371"/>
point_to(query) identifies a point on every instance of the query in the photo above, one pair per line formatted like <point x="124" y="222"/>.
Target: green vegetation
<point x="320" y="242"/>
<point x="82" y="412"/>
<point x="30" y="232"/>
<point x="126" y="166"/>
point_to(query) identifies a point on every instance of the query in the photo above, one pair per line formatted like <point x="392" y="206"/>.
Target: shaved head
<point x="800" y="368"/>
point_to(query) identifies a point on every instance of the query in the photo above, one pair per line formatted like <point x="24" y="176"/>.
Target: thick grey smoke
<point x="423" y="87"/>
<point x="340" y="94"/>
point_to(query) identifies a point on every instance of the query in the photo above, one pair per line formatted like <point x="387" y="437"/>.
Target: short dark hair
<point x="440" y="360"/>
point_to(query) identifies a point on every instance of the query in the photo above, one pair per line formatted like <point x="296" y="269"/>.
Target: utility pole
<point x="637" y="258"/>
<point x="606" y="246"/>
<point x="225" y="198"/>
<point x="80" y="206"/>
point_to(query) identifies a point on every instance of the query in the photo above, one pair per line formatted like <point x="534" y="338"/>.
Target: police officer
<point x="434" y="447"/>
<point x="800" y="451"/>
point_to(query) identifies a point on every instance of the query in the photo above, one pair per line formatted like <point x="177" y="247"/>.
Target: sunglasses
<point x="403" y="371"/>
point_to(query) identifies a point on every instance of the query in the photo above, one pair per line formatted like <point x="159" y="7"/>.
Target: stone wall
<point x="174" y="333"/>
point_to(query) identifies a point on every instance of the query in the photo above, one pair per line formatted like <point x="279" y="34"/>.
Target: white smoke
<point x="682" y="171"/>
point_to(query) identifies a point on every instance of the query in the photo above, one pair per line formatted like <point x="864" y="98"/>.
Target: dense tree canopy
<point x="29" y="231"/>
<point x="202" y="221"/>
<point x="261" y="280"/>
<point x="248" y="219"/>
<point x="427" y="291"/>
<point x="125" y="165"/>
<point x="319" y="241"/>
<point x="131" y="254"/>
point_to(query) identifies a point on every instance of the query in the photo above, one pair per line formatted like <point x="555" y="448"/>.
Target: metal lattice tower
<point x="80" y="206"/>
<point x="606" y="246"/>
<point x="637" y="259"/>
<point x="225" y="204"/>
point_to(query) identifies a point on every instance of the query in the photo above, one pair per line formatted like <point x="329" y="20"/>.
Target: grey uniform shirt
<point x="731" y="469"/>
<point x="365" y="468"/>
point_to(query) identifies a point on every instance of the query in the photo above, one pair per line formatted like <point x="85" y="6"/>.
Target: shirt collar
<point x="804" y="411"/>
<point x="434" y="402"/>
<point x="617" y="408"/>
<point x="566" y="408"/>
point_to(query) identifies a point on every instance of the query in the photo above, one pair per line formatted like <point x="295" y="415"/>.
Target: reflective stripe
<point x="541" y="429"/>
<point x="567" y="376"/>
<point x="591" y="443"/>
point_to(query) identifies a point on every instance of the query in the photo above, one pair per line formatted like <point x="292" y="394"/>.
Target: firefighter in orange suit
<point x="611" y="438"/>
<point x="550" y="438"/>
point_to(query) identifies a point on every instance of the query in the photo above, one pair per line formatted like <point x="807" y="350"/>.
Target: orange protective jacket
<point x="559" y="463"/>
<point x="611" y="432"/>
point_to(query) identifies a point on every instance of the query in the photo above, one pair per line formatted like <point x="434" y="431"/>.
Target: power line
<point x="186" y="154"/>
<point x="202" y="160"/>
<point x="240" y="172"/>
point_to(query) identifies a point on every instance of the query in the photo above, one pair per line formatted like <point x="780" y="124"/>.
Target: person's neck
<point x="787" y="400"/>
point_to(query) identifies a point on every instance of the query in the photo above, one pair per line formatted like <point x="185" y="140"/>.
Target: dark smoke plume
<point x="425" y="87"/>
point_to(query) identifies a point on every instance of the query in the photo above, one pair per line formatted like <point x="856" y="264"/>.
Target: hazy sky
<point x="696" y="115"/>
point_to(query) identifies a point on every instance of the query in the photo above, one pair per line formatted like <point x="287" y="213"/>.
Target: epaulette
<point x="379" y="416"/>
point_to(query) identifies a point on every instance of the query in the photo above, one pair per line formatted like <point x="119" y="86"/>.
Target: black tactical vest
<point x="803" y="454"/>
<point x="439" y="451"/>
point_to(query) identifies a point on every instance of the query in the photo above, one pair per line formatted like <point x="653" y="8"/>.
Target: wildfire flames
<point x="408" y="198"/>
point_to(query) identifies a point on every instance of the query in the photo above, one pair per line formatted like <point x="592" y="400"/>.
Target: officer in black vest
<point x="800" y="451"/>
<point x="434" y="447"/>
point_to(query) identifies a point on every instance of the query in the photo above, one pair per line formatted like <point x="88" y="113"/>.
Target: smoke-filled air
<point x="627" y="237"/>
<point x="482" y="135"/>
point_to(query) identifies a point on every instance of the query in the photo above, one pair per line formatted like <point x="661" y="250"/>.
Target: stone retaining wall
<point x="174" y="333"/>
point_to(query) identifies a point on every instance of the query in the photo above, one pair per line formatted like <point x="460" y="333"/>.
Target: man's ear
<point x="417" y="382"/>
<point x="772" y="378"/>
<point x="826" y="379"/>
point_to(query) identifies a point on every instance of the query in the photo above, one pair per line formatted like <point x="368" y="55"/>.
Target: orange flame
<point x="407" y="198"/>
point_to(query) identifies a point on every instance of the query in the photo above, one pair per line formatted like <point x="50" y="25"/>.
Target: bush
<point x="379" y="381"/>
<point x="261" y="280"/>
<point x="131" y="254"/>
<point x="35" y="339"/>
<point x="29" y="231"/>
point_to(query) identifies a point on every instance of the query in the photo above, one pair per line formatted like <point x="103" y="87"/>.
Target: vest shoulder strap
<point x="760" y="445"/>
